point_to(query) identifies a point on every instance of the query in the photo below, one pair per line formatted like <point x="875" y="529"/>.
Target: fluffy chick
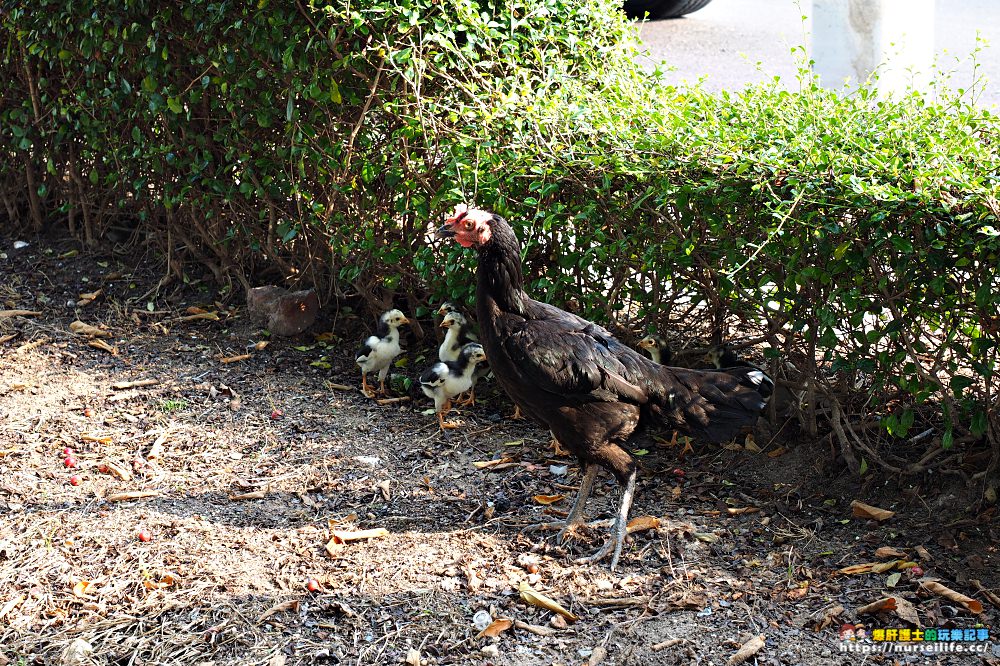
<point x="378" y="350"/>
<point x="446" y="379"/>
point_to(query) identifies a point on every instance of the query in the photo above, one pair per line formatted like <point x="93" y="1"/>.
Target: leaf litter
<point x="736" y="535"/>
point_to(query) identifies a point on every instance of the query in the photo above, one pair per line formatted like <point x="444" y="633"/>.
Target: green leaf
<point x="335" y="92"/>
<point x="174" y="105"/>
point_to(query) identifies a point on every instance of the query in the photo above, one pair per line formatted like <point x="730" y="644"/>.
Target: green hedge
<point x="857" y="237"/>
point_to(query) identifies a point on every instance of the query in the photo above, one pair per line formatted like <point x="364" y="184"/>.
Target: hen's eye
<point x="469" y="225"/>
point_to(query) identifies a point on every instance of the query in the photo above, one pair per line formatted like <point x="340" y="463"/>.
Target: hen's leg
<point x="575" y="517"/>
<point x="381" y="380"/>
<point x="619" y="528"/>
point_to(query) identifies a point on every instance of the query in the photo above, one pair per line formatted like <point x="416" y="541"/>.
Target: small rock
<point x="558" y="470"/>
<point x="584" y="652"/>
<point x="20" y="245"/>
<point x="558" y="621"/>
<point x="490" y="651"/>
<point x="77" y="652"/>
<point x="286" y="313"/>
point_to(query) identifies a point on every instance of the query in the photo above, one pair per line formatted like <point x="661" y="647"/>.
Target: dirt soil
<point x="237" y="472"/>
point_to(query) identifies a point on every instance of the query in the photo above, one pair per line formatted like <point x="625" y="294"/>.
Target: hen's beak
<point x="444" y="232"/>
<point x="443" y="325"/>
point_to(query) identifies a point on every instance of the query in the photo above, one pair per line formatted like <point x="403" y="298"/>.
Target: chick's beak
<point x="444" y="231"/>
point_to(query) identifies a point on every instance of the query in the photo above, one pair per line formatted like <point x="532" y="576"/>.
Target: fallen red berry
<point x="67" y="452"/>
<point x="916" y="571"/>
<point x="102" y="468"/>
<point x="144" y="535"/>
<point x="70" y="461"/>
<point x="88" y="412"/>
<point x="276" y="414"/>
<point x="679" y="472"/>
<point x="312" y="585"/>
<point x="74" y="480"/>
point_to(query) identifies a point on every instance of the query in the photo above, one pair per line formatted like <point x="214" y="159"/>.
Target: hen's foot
<point x="613" y="547"/>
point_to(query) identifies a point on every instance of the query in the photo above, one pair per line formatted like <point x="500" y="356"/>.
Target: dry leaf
<point x="888" y="551"/>
<point x="862" y="510"/>
<point x="80" y="328"/>
<point x="82" y="589"/>
<point x="490" y="463"/>
<point x="413" y="657"/>
<point x="290" y="604"/>
<point x="643" y="523"/>
<point x="937" y="588"/>
<point x="164" y="582"/>
<point x="992" y="597"/>
<point x="903" y="608"/>
<point x="857" y="569"/>
<point x="11" y="605"/>
<point x="103" y="346"/>
<point x="87" y="437"/>
<point x="234" y="359"/>
<point x="540" y="600"/>
<point x="739" y="511"/>
<point x="88" y="298"/>
<point x="495" y="628"/>
<point x="260" y="346"/>
<point x="780" y="451"/>
<point x="749" y="649"/>
<point x="548" y="499"/>
<point x="797" y="592"/>
<point x="882" y="567"/>
<point x="195" y="310"/>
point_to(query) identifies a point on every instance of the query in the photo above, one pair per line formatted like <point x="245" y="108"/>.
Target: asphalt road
<point x="733" y="43"/>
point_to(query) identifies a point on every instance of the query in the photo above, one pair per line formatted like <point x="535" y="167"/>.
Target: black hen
<point x="576" y="379"/>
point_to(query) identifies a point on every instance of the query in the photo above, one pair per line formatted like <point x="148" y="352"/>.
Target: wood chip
<point x="121" y="386"/>
<point x="667" y="644"/>
<point x="862" y="510"/>
<point x="340" y="387"/>
<point x="132" y="495"/>
<point x="749" y="649"/>
<point x="234" y="359"/>
<point x="535" y="629"/>
<point x="103" y="346"/>
<point x="346" y="535"/>
<point x="888" y="551"/>
<point x="28" y="346"/>
<point x="393" y="401"/>
<point x="4" y="314"/>
<point x="256" y="494"/>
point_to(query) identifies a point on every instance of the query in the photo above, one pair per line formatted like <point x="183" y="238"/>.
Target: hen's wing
<point x="570" y="357"/>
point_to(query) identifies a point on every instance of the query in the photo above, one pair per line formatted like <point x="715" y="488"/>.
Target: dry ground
<point x="257" y="460"/>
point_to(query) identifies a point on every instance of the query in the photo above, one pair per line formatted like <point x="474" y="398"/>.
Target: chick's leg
<point x="381" y="380"/>
<point x="619" y="529"/>
<point x="446" y="425"/>
<point x="369" y="393"/>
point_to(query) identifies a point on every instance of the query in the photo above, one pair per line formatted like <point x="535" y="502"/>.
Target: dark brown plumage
<point x="577" y="380"/>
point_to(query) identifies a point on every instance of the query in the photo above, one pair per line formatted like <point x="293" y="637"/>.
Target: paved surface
<point x="732" y="43"/>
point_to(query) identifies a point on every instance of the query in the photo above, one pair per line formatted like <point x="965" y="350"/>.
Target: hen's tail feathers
<point x="713" y="405"/>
